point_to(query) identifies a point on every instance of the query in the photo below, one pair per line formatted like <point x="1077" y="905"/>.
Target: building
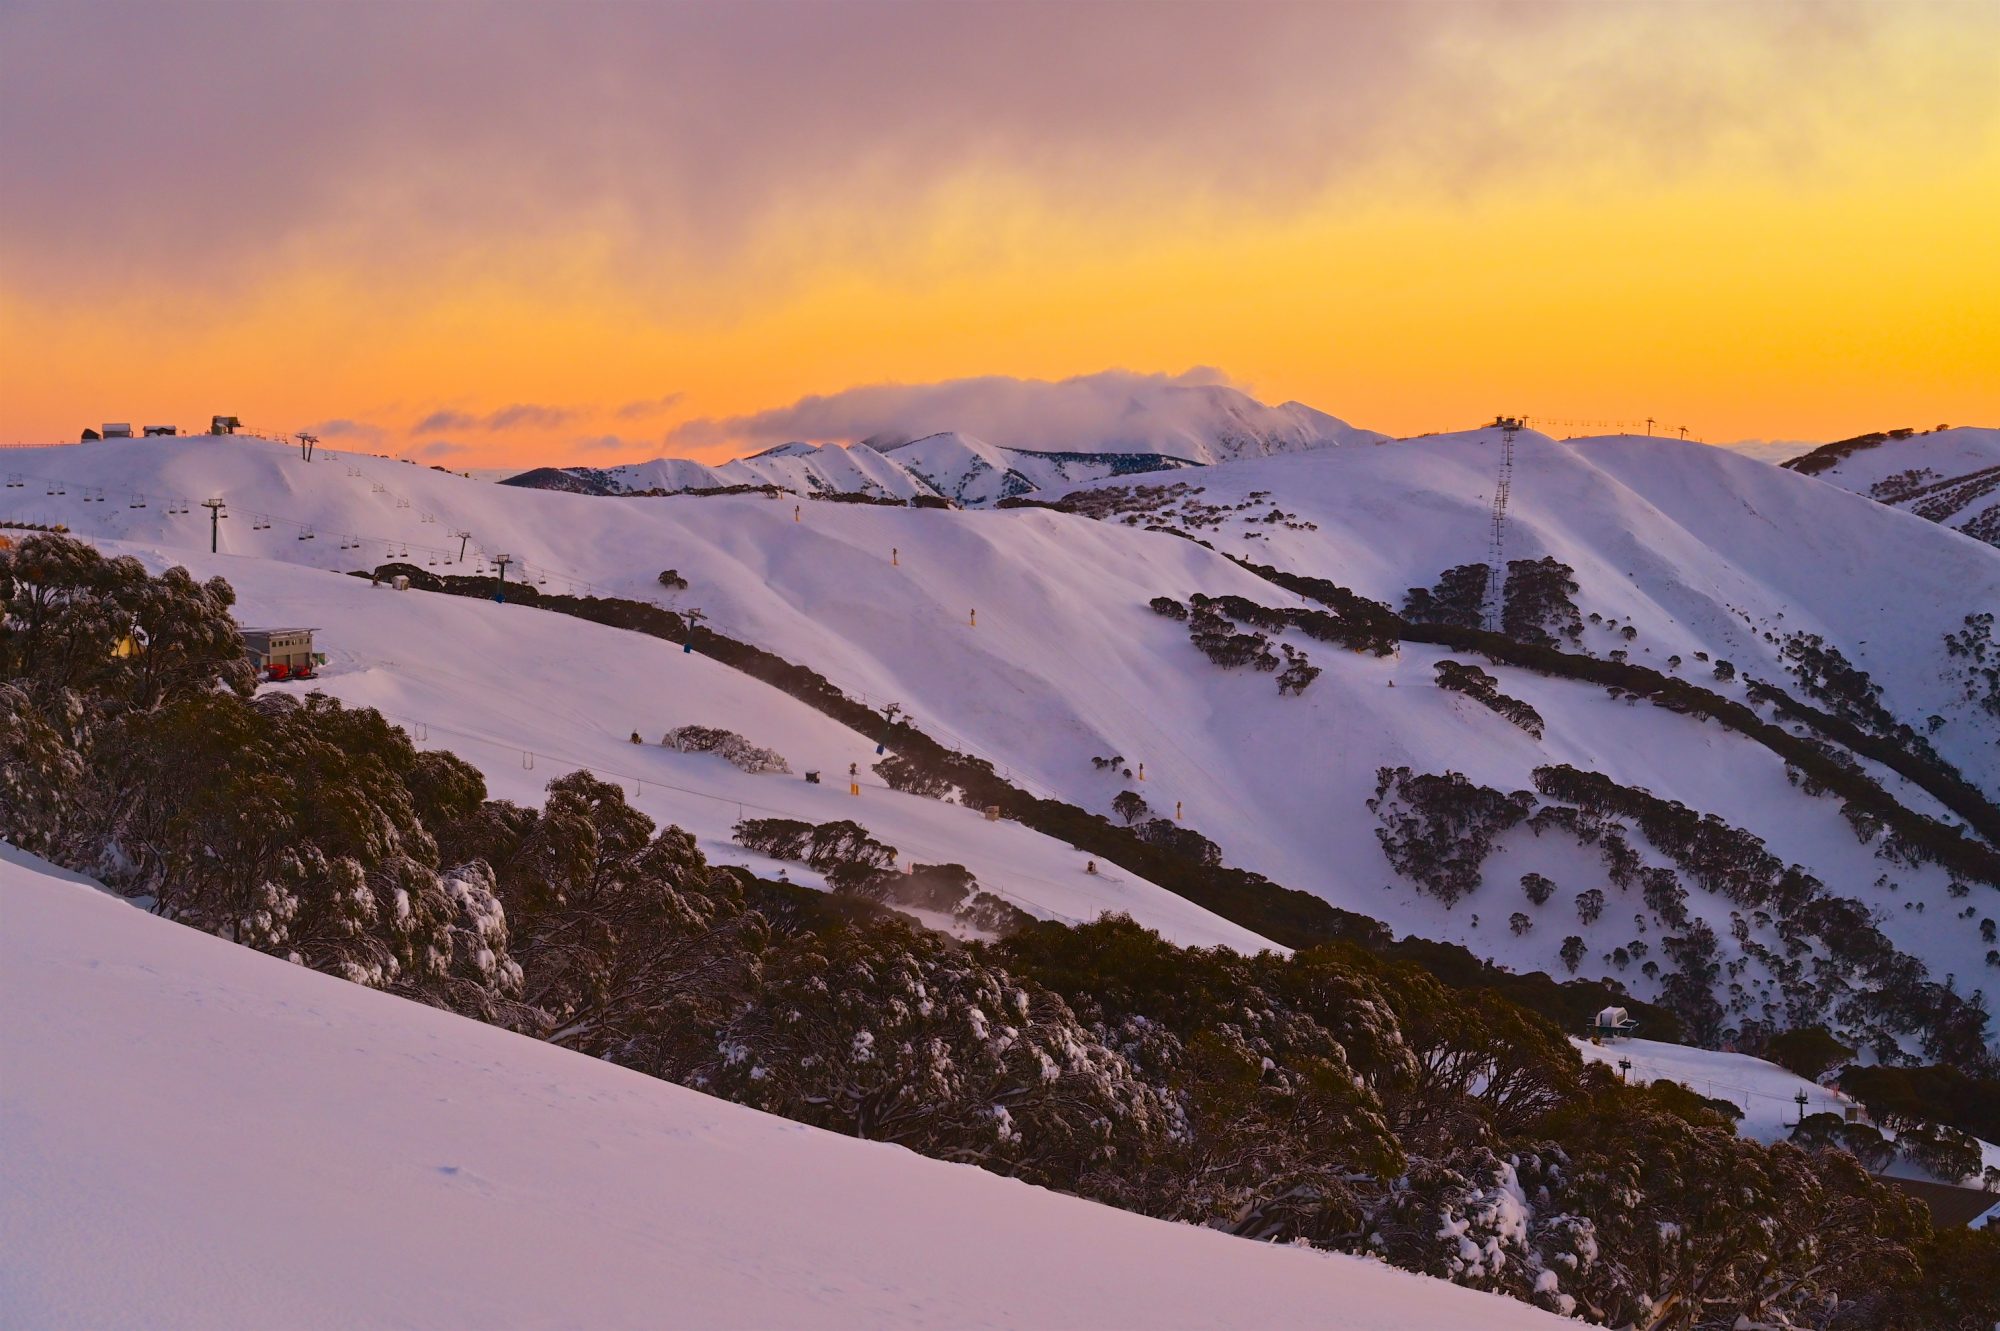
<point x="224" y="425"/>
<point x="281" y="653"/>
<point x="117" y="430"/>
<point x="168" y="430"/>
<point x="1612" y="1023"/>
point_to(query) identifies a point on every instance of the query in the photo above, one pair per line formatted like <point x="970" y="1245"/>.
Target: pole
<point x="502" y="561"/>
<point x="214" y="507"/>
<point x="463" y="537"/>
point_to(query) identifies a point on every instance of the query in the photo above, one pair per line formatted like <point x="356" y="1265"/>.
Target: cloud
<point x="421" y="139"/>
<point x="1084" y="412"/>
<point x="348" y="429"/>
<point x="440" y="448"/>
<point x="605" y="443"/>
<point x="1772" y="450"/>
<point x="650" y="406"/>
<point x="522" y="415"/>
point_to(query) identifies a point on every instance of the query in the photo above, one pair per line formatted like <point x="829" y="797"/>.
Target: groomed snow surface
<point x="1691" y="548"/>
<point x="196" y="1135"/>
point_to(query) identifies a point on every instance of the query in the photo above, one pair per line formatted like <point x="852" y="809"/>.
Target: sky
<point x="564" y="232"/>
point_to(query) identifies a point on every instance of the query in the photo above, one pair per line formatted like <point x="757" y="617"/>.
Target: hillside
<point x="1679" y="552"/>
<point x="260" y="1145"/>
<point x="1946" y="476"/>
<point x="1033" y="439"/>
<point x="506" y="687"/>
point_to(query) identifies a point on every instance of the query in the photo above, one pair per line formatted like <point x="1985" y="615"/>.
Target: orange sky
<point x="1773" y="222"/>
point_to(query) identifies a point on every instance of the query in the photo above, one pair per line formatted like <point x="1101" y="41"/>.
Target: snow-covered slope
<point x="1696" y="548"/>
<point x="1948" y="476"/>
<point x="804" y="469"/>
<point x="1692" y="549"/>
<point x="526" y="695"/>
<point x="1766" y="1093"/>
<point x="1159" y="428"/>
<point x="258" y="1145"/>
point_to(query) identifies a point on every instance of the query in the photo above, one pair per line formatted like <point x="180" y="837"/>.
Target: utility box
<point x="401" y="582"/>
<point x="281" y="653"/>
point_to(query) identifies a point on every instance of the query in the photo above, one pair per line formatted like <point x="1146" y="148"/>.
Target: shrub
<point x="726" y="744"/>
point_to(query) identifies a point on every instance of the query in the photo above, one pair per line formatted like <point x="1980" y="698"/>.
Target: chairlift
<point x="404" y="553"/>
<point x="402" y="503"/>
<point x="306" y="534"/>
<point x="55" y="488"/>
<point x="138" y="501"/>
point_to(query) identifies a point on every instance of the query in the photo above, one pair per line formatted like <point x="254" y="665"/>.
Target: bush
<point x="1809" y="1051"/>
<point x="915" y="778"/>
<point x="727" y="744"/>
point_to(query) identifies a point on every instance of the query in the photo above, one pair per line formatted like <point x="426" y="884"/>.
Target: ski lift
<point x="306" y="534"/>
<point x="430" y="517"/>
<point x="404" y="553"/>
<point x="258" y="522"/>
<point x="56" y="488"/>
<point x="14" y="481"/>
<point x="380" y="488"/>
<point x="402" y="503"/>
<point x="138" y="501"/>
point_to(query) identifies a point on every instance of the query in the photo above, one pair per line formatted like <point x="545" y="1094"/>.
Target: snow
<point x="1696" y="548"/>
<point x="1931" y="463"/>
<point x="505" y="686"/>
<point x="1766" y="1093"/>
<point x="196" y="1135"/>
<point x="1043" y="437"/>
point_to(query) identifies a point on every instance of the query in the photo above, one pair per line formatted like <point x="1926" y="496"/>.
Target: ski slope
<point x="263" y="1146"/>
<point x="527" y="695"/>
<point x="1951" y="477"/>
<point x="1766" y="1093"/>
<point x="1691" y="547"/>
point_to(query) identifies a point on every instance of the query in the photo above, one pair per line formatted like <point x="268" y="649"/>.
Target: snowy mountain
<point x="201" y="1136"/>
<point x="1025" y="638"/>
<point x="1718" y="738"/>
<point x="1947" y="476"/>
<point x="1163" y="427"/>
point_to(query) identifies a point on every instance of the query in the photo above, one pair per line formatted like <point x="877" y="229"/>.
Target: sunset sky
<point x="499" y="234"/>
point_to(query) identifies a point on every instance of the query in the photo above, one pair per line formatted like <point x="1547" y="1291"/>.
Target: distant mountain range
<point x="1167" y="428"/>
<point x="1950" y="477"/>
